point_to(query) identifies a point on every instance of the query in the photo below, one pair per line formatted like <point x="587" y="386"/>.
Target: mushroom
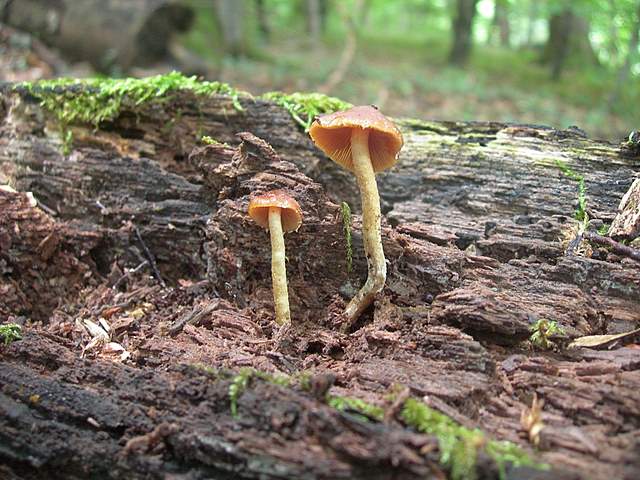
<point x="363" y="141"/>
<point x="279" y="213"/>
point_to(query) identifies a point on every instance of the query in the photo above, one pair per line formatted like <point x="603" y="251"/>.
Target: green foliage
<point x="10" y="332"/>
<point x="459" y="446"/>
<point x="346" y="226"/>
<point x="604" y="229"/>
<point x="238" y="385"/>
<point x="364" y="410"/>
<point x="95" y="100"/>
<point x="304" y="107"/>
<point x="207" y="140"/>
<point x="542" y="331"/>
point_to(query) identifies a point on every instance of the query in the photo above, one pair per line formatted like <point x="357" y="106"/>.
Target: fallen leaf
<point x="595" y="341"/>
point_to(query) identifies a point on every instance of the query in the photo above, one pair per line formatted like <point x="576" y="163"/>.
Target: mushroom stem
<point x="278" y="268"/>
<point x="371" y="236"/>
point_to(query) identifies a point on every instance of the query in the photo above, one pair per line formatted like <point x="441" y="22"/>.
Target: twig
<point x="397" y="405"/>
<point x="129" y="273"/>
<point x="616" y="247"/>
<point x="192" y="318"/>
<point x="47" y="209"/>
<point x="152" y="260"/>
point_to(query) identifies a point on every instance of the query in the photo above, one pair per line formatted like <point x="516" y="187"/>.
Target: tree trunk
<point x="474" y="217"/>
<point x="625" y="69"/>
<point x="230" y="15"/>
<point x="557" y="49"/>
<point x="463" y="31"/>
<point x="263" y="21"/>
<point x="531" y="21"/>
<point x="500" y="23"/>
<point x="314" y="23"/>
<point x="109" y="34"/>
<point x="568" y="39"/>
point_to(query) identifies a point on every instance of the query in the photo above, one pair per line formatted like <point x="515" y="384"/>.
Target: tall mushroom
<point x="279" y="213"/>
<point x="365" y="142"/>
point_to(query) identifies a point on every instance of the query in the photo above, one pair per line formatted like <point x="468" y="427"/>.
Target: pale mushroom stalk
<point x="371" y="235"/>
<point x="281" y="214"/>
<point x="278" y="267"/>
<point x="365" y="142"/>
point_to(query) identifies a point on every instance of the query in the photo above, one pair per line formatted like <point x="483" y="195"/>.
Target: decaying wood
<point x="476" y="215"/>
<point x="627" y="222"/>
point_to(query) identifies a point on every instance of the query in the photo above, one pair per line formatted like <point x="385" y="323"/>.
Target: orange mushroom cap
<point x="290" y="213"/>
<point x="332" y="133"/>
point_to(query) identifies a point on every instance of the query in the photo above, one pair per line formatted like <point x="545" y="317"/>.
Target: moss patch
<point x="304" y="107"/>
<point x="365" y="411"/>
<point x="95" y="100"/>
<point x="542" y="332"/>
<point x="10" y="332"/>
<point x="241" y="382"/>
<point x="459" y="446"/>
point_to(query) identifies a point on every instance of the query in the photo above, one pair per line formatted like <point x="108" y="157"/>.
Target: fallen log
<point x="476" y="259"/>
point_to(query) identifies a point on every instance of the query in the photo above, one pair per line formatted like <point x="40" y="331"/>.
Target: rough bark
<point x="106" y="33"/>
<point x="475" y="213"/>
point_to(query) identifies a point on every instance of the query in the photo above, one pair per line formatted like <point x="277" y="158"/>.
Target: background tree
<point x="313" y="20"/>
<point x="632" y="55"/>
<point x="568" y="37"/>
<point x="463" y="31"/>
<point x="230" y="15"/>
<point x="500" y="24"/>
<point x="262" y="20"/>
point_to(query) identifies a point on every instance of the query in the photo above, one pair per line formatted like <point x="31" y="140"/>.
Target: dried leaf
<point x="95" y="330"/>
<point x="595" y="341"/>
<point x="531" y="420"/>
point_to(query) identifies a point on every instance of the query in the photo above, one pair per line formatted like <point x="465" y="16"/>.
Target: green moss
<point x="96" y="100"/>
<point x="10" y="332"/>
<point x="304" y="107"/>
<point x="241" y="382"/>
<point x="459" y="446"/>
<point x="207" y="140"/>
<point x="364" y="410"/>
<point x="346" y="225"/>
<point x="542" y="331"/>
<point x="238" y="385"/>
<point x="581" y="210"/>
<point x="210" y="371"/>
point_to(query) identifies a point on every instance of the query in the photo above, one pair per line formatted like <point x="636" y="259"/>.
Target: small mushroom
<point x="279" y="213"/>
<point x="363" y="141"/>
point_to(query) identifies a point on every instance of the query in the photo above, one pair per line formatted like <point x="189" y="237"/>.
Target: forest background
<point x="558" y="63"/>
